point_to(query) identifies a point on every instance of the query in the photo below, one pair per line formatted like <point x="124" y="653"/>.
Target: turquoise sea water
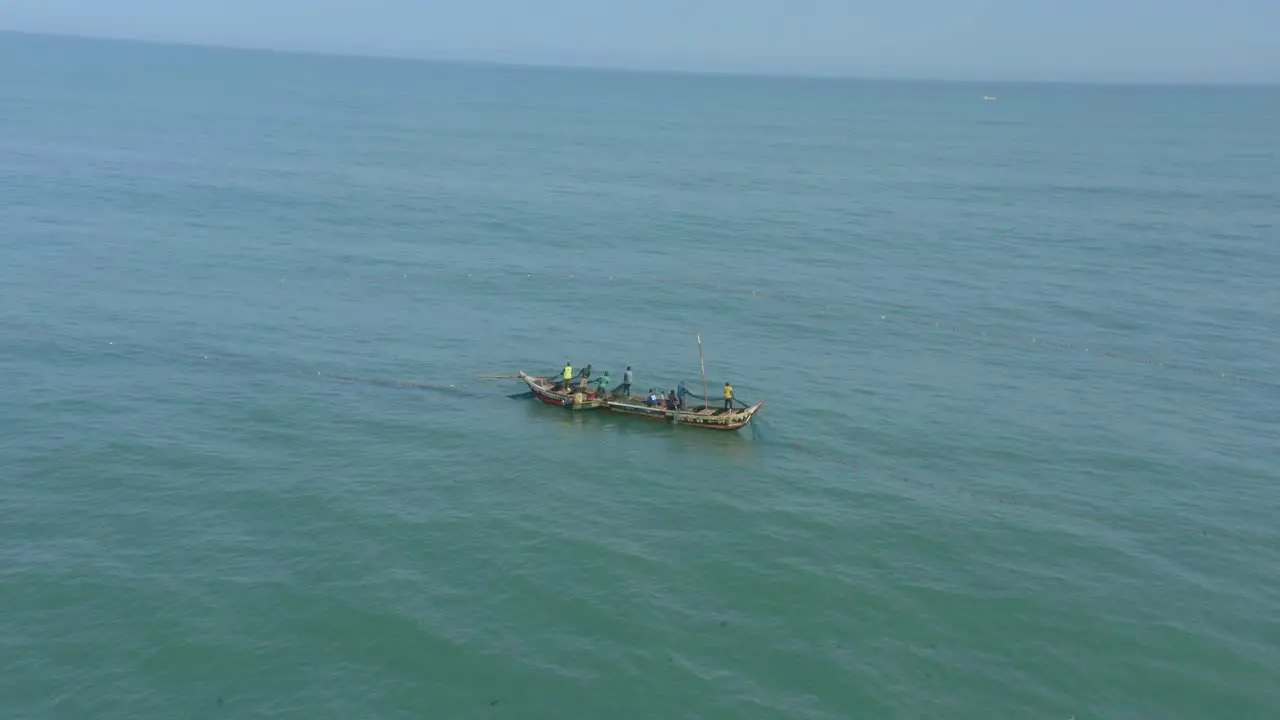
<point x="1018" y="458"/>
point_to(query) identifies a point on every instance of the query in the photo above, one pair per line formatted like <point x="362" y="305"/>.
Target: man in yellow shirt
<point x="568" y="374"/>
<point x="728" y="396"/>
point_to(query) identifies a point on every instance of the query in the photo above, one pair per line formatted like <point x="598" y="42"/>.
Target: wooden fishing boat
<point x="700" y="416"/>
<point x="580" y="396"/>
<point x="704" y="416"/>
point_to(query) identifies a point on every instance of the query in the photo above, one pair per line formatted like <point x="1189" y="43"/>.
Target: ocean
<point x="1018" y="456"/>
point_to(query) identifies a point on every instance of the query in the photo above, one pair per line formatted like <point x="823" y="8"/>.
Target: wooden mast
<point x="706" y="400"/>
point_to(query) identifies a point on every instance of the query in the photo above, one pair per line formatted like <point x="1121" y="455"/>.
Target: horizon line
<point x="629" y="68"/>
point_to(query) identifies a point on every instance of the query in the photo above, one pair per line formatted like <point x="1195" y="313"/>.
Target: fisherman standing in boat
<point x="602" y="386"/>
<point x="626" y="383"/>
<point x="728" y="396"/>
<point x="586" y="377"/>
<point x="568" y="374"/>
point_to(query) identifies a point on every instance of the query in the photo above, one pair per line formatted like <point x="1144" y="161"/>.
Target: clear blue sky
<point x="1119" y="40"/>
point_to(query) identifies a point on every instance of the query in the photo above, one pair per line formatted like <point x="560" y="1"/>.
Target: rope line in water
<point x="390" y="383"/>
<point x="123" y="346"/>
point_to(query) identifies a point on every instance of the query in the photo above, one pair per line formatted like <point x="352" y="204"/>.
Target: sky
<point x="1087" y="40"/>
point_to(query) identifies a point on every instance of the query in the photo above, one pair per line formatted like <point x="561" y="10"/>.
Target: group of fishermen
<point x="669" y="400"/>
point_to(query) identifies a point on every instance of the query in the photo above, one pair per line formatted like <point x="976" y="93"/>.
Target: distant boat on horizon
<point x="988" y="97"/>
